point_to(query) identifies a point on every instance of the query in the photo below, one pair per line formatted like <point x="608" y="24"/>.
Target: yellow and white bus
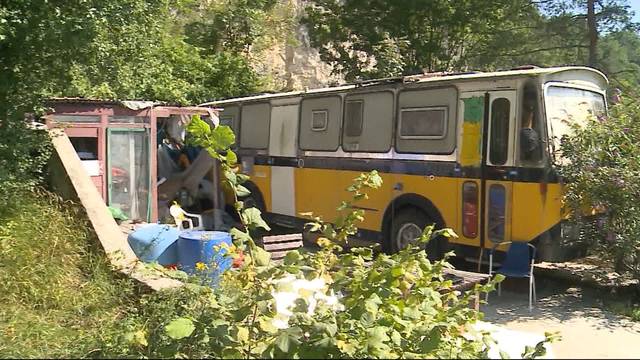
<point x="473" y="152"/>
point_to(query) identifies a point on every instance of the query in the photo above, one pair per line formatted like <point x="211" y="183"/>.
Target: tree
<point x="378" y="38"/>
<point x="587" y="19"/>
<point x="117" y="49"/>
<point x="620" y="59"/>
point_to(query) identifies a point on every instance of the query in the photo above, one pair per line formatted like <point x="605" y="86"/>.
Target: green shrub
<point x="603" y="173"/>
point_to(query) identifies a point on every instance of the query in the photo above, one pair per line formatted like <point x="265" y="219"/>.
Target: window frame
<point x="326" y="120"/>
<point x="344" y="120"/>
<point x="424" y="137"/>
<point x="509" y="139"/>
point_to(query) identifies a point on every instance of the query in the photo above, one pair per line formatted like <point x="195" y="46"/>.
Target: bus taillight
<point x="470" y="209"/>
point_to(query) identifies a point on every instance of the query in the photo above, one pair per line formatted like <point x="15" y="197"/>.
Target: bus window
<point x="368" y="122"/>
<point x="499" y="145"/>
<point x="254" y="126"/>
<point x="530" y="134"/>
<point x="423" y="123"/>
<point x="426" y="121"/>
<point x="320" y="123"/>
<point x="353" y="118"/>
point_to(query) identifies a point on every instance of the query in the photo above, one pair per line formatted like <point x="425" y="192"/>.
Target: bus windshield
<point x="565" y="106"/>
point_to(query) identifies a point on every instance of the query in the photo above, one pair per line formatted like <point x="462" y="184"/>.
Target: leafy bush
<point x="603" y="175"/>
<point x="324" y="304"/>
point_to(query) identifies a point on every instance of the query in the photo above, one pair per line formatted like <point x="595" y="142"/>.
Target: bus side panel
<point x="534" y="210"/>
<point x="322" y="190"/>
<point x="262" y="178"/>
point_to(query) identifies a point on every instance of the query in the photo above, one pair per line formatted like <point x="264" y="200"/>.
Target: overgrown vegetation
<point x="60" y="298"/>
<point x="359" y="306"/>
<point x="603" y="179"/>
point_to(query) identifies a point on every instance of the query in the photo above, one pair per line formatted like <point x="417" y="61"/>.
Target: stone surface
<point x="289" y="59"/>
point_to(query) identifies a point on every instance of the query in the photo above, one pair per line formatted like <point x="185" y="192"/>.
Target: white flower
<point x="291" y="288"/>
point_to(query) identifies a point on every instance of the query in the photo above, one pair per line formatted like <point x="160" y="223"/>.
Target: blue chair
<point x="518" y="263"/>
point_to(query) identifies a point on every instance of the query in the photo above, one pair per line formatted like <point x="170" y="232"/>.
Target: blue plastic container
<point x="155" y="242"/>
<point x="200" y="246"/>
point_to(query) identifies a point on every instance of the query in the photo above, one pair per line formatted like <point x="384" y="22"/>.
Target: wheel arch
<point x="405" y="201"/>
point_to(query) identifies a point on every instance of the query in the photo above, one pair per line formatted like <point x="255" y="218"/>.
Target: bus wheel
<point x="406" y="227"/>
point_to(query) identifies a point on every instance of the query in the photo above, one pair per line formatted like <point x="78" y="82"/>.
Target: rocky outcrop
<point x="289" y="61"/>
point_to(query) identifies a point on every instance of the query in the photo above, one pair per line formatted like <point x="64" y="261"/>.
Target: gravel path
<point x="587" y="330"/>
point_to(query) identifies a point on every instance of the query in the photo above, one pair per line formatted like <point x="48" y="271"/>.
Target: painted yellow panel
<point x="321" y="190"/>
<point x="471" y="144"/>
<point x="535" y="210"/>
<point x="471" y="153"/>
<point x="262" y="178"/>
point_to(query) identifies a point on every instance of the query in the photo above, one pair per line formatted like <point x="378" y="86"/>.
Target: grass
<point x="59" y="296"/>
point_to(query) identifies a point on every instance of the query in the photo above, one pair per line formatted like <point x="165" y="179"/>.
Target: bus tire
<point x="408" y="224"/>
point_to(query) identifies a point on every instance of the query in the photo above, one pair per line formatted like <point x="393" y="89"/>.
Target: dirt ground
<point x="588" y="330"/>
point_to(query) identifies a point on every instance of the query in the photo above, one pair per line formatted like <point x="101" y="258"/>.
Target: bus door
<point x="283" y="149"/>
<point x="498" y="165"/>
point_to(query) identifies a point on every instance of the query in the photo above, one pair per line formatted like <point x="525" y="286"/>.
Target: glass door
<point x="128" y="164"/>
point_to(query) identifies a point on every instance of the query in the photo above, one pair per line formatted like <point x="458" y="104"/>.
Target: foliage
<point x="603" y="173"/>
<point x="379" y="38"/>
<point x="119" y="49"/>
<point x="364" y="39"/>
<point x="60" y="297"/>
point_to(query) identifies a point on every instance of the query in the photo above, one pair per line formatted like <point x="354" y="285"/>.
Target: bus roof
<point x="420" y="78"/>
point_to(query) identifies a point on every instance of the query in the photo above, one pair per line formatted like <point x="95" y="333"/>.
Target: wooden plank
<point x="281" y="238"/>
<point x="283" y="246"/>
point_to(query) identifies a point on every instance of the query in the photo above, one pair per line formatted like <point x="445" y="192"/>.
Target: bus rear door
<point x="498" y="165"/>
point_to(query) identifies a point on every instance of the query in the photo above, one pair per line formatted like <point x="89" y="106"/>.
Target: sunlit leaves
<point x="180" y="328"/>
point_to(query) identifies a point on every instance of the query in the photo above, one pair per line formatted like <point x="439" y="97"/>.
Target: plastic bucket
<point x="155" y="242"/>
<point x="197" y="246"/>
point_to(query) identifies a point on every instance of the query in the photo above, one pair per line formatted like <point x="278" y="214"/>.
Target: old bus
<point x="474" y="152"/>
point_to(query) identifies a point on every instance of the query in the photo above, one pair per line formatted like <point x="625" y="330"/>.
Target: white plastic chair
<point x="180" y="217"/>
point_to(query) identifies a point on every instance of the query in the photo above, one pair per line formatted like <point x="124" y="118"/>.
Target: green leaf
<point x="292" y="257"/>
<point x="180" y="328"/>
<point x="242" y="334"/>
<point x="253" y="219"/>
<point x="242" y="191"/>
<point x="261" y="256"/>
<point x="232" y="158"/>
<point x="198" y="127"/>
<point x="240" y="236"/>
<point x="397" y="271"/>
<point x="283" y="342"/>
<point x="377" y="336"/>
<point x="222" y="137"/>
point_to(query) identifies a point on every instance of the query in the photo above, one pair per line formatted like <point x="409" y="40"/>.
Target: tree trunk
<point x="592" y="28"/>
